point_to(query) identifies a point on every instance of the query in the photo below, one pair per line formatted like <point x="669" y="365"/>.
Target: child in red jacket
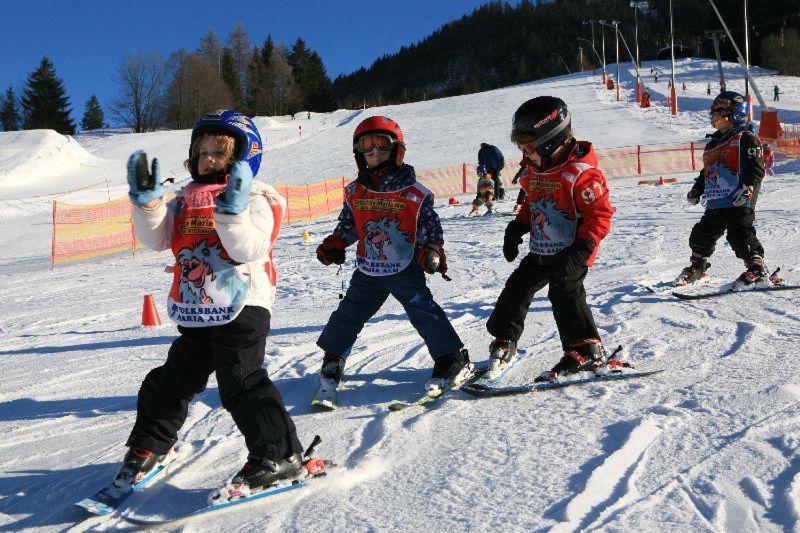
<point x="567" y="213"/>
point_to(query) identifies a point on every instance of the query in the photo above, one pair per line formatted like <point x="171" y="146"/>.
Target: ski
<point x="326" y="400"/>
<point x="428" y="397"/>
<point x="728" y="291"/>
<point x="272" y="491"/>
<point x="486" y="379"/>
<point x="110" y="498"/>
<point x="483" y="391"/>
<point x="666" y="287"/>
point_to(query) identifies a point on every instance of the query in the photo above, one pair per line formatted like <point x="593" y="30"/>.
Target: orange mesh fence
<point x="445" y="181"/>
<point x="86" y="231"/>
<point x="312" y="200"/>
<point x="789" y="141"/>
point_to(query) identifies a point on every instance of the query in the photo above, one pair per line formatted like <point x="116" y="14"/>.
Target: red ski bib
<point x="721" y="165"/>
<point x="387" y="226"/>
<point x="554" y="216"/>
<point x="207" y="288"/>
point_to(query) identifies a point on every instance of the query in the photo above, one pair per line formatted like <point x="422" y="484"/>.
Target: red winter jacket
<point x="584" y="198"/>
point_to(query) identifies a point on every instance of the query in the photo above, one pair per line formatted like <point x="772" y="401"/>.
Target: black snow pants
<point x="567" y="296"/>
<point x="738" y="221"/>
<point x="235" y="351"/>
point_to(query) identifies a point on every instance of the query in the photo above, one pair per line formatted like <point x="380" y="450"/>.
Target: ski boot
<point x="137" y="465"/>
<point x="331" y="373"/>
<point x="450" y="371"/>
<point x="584" y="355"/>
<point x="259" y="474"/>
<point x="694" y="272"/>
<point x="501" y="354"/>
<point x="473" y="212"/>
<point x="756" y="271"/>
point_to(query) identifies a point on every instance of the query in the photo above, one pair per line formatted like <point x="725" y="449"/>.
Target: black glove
<point x="570" y="260"/>
<point x="693" y="196"/>
<point x="514" y="232"/>
<point x="331" y="250"/>
<point x="432" y="258"/>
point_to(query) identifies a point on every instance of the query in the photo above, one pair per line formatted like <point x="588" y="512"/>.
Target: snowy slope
<point x="710" y="445"/>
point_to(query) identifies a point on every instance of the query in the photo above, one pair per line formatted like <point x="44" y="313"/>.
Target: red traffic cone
<point x="149" y="312"/>
<point x="453" y="201"/>
<point x="661" y="180"/>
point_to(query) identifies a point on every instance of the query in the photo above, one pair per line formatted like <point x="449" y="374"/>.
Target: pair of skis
<point x="479" y="386"/>
<point x="774" y="283"/>
<point x="109" y="499"/>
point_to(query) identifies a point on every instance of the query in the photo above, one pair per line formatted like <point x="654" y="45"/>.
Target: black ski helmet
<point x="544" y="120"/>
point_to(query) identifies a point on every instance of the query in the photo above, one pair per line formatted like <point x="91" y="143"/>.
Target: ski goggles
<point x="718" y="110"/>
<point x="380" y="141"/>
<point x="526" y="146"/>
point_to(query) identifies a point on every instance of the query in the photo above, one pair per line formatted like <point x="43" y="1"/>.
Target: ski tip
<point x="324" y="405"/>
<point x="399" y="406"/>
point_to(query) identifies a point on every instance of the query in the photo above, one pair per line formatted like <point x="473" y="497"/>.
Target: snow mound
<point x="36" y="155"/>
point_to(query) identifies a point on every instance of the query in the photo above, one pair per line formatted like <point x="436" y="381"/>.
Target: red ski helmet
<point x="380" y="124"/>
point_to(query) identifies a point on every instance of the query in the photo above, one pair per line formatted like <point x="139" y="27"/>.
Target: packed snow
<point x="712" y="444"/>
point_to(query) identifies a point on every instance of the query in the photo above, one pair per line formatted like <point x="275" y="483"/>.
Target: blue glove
<point x="742" y="195"/>
<point x="234" y="200"/>
<point x="145" y="186"/>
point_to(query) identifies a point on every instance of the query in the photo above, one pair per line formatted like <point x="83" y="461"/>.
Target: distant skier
<point x="485" y="191"/>
<point x="733" y="167"/>
<point x="492" y="158"/>
<point x="399" y="238"/>
<point x="221" y="227"/>
<point x="567" y="212"/>
<point x="776" y="93"/>
<point x="708" y="89"/>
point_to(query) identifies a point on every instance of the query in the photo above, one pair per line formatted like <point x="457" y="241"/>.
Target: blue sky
<point x="85" y="39"/>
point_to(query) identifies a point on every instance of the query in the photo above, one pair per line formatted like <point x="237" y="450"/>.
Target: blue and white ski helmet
<point x="241" y="127"/>
<point x="735" y="105"/>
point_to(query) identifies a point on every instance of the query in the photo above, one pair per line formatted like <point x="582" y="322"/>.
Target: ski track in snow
<point x="710" y="445"/>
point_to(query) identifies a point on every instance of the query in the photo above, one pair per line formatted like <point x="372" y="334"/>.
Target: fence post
<point x="286" y="195"/>
<point x="308" y="201"/>
<point x="639" y="159"/>
<point x="53" y="241"/>
<point x="691" y="149"/>
<point x="464" y="177"/>
<point x="133" y="233"/>
<point x="327" y="200"/>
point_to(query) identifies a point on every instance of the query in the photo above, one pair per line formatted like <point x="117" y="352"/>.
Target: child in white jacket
<point x="221" y="228"/>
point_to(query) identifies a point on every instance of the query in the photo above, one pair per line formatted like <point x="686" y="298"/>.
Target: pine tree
<point x="231" y="77"/>
<point x="211" y="48"/>
<point x="314" y="82"/>
<point x="240" y="48"/>
<point x="93" y="115"/>
<point x="9" y="115"/>
<point x="45" y="102"/>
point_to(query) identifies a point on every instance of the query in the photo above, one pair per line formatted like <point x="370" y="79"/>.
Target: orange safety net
<point x="445" y="181"/>
<point x="312" y="200"/>
<point x="86" y="231"/>
<point x="789" y="141"/>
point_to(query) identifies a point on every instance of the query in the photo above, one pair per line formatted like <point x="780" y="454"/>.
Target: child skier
<point x="492" y="158"/>
<point x="733" y="166"/>
<point x="485" y="192"/>
<point x="567" y="213"/>
<point x="221" y="228"/>
<point x="390" y="215"/>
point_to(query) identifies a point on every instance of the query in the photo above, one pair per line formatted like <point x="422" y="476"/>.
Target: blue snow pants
<point x="367" y="294"/>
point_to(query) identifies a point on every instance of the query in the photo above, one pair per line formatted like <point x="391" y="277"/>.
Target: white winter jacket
<point x="246" y="237"/>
